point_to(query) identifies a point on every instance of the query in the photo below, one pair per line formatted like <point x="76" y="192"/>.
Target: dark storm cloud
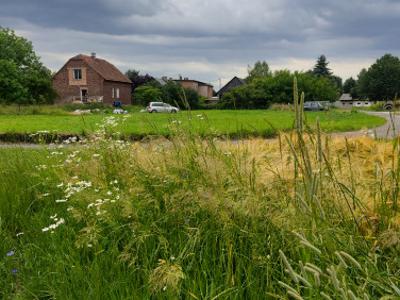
<point x="86" y="15"/>
<point x="209" y="39"/>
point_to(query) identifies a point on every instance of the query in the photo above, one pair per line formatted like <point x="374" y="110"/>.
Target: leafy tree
<point x="337" y="81"/>
<point x="23" y="78"/>
<point x="146" y="93"/>
<point x="321" y="67"/>
<point x="259" y="70"/>
<point x="278" y="88"/>
<point x="382" y="80"/>
<point x="362" y="84"/>
<point x="138" y="80"/>
<point x="350" y="87"/>
<point x="174" y="94"/>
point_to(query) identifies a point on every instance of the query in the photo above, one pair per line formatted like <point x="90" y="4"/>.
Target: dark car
<point x="313" y="106"/>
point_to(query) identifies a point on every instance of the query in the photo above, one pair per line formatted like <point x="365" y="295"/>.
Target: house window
<point x="115" y="93"/>
<point x="77" y="74"/>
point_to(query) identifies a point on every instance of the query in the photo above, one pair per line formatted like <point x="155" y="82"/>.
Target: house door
<point x="84" y="95"/>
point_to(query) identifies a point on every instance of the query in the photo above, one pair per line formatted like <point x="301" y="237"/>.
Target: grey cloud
<point x="214" y="36"/>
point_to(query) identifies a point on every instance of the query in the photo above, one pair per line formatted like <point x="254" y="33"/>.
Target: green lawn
<point x="215" y="122"/>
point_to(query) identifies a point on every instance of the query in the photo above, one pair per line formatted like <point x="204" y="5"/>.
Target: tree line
<point x="264" y="87"/>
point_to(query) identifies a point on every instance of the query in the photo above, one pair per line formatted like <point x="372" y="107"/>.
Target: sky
<point x="209" y="40"/>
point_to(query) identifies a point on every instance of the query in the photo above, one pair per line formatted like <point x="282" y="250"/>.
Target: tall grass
<point x="304" y="217"/>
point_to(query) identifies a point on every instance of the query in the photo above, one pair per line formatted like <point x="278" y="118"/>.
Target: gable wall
<point x="67" y="88"/>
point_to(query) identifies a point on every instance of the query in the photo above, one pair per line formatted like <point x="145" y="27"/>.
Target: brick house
<point x="90" y="79"/>
<point x="203" y="89"/>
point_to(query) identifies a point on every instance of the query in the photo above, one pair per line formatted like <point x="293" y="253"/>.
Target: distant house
<point x="203" y="89"/>
<point x="347" y="101"/>
<point x="90" y="79"/>
<point x="233" y="83"/>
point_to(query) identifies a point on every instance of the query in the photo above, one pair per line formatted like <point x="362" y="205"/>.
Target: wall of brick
<point x="205" y="91"/>
<point x="61" y="82"/>
<point x="124" y="92"/>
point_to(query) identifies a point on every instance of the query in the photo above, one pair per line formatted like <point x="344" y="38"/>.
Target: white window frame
<point x="80" y="73"/>
<point x="117" y="93"/>
<point x="113" y="93"/>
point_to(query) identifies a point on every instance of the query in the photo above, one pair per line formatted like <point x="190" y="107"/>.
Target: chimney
<point x="93" y="55"/>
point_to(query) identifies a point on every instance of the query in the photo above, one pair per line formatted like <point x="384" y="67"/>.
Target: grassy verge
<point x="204" y="123"/>
<point x="302" y="217"/>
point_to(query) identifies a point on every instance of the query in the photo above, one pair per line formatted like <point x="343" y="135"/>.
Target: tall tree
<point x="382" y="80"/>
<point x="259" y="70"/>
<point x="137" y="79"/>
<point x="23" y="78"/>
<point x="321" y="67"/>
<point x="350" y="87"/>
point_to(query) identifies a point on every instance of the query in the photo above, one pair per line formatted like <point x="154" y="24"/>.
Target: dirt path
<point x="388" y="131"/>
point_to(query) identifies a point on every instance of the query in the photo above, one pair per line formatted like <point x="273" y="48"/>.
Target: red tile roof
<point x="104" y="68"/>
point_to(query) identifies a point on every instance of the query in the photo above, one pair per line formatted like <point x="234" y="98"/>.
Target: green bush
<point x="145" y="94"/>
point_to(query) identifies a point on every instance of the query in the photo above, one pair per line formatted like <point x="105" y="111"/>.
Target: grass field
<point x="301" y="217"/>
<point x="205" y="123"/>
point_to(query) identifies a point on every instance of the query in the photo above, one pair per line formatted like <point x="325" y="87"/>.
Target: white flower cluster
<point x="41" y="167"/>
<point x="56" y="153"/>
<point x="98" y="204"/>
<point x="73" y="188"/>
<point x="52" y="227"/>
<point x="71" y="140"/>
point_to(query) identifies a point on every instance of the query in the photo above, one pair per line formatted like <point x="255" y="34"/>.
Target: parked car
<point x="313" y="106"/>
<point x="160" y="107"/>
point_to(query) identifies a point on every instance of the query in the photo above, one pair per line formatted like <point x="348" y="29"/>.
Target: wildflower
<point x="60" y="185"/>
<point x="10" y="253"/>
<point x="96" y="155"/>
<point x="61" y="201"/>
<point x="52" y="227"/>
<point x="14" y="271"/>
<point x="19" y="234"/>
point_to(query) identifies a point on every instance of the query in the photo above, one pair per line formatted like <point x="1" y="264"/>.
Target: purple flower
<point x="14" y="271"/>
<point x="10" y="253"/>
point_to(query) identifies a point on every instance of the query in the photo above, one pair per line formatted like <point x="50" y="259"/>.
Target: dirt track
<point x="388" y="131"/>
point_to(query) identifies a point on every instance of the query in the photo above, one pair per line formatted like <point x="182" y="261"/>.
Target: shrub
<point x="145" y="94"/>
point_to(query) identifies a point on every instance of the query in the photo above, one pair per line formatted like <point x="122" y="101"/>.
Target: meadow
<point x="304" y="216"/>
<point x="231" y="123"/>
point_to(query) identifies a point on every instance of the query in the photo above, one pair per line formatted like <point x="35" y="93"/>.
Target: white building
<point x="347" y="101"/>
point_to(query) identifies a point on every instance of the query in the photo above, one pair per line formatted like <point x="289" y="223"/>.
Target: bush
<point x="145" y="94"/>
<point x="184" y="98"/>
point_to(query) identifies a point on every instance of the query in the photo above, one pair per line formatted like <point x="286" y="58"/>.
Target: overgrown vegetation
<point x="23" y="78"/>
<point x="304" y="217"/>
